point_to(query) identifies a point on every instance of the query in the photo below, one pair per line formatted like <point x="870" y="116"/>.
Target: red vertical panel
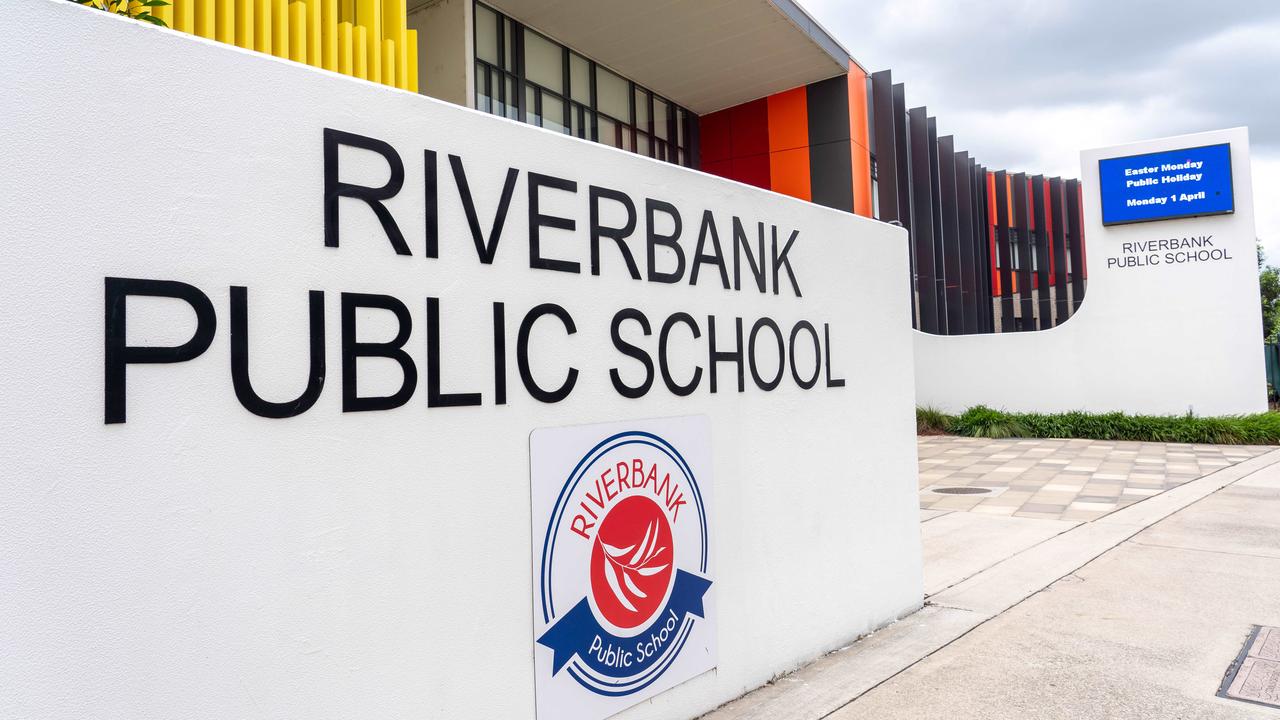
<point x="991" y="233"/>
<point x="713" y="130"/>
<point x="749" y="131"/>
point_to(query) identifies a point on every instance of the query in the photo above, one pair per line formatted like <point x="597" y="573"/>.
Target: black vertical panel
<point x="951" y="251"/>
<point x="1005" y="253"/>
<point x="988" y="249"/>
<point x="968" y="246"/>
<point x="1057" y="238"/>
<point x="1022" y="259"/>
<point x="830" y="152"/>
<point x="1041" y="237"/>
<point x="902" y="154"/>
<point x="1075" y="242"/>
<point x="922" y="219"/>
<point x="886" y="145"/>
<point x="935" y="199"/>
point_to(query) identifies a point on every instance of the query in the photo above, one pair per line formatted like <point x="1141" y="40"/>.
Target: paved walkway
<point x="1131" y="612"/>
<point x="1062" y="479"/>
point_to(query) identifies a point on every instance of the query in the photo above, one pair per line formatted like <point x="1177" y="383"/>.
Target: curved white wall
<point x="1163" y="339"/>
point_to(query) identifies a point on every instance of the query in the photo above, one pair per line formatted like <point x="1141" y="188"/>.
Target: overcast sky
<point x="1026" y="84"/>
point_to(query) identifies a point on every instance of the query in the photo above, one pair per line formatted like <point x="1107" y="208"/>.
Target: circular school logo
<point x="624" y="565"/>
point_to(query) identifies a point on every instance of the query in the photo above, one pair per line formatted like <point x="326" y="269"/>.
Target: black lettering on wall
<point x="618" y="235"/>
<point x="537" y="221"/>
<point x="431" y="203"/>
<point x="118" y="354"/>
<point x="499" y="354"/>
<point x="352" y="350"/>
<point x="240" y="359"/>
<point x="485" y="249"/>
<point x="817" y="354"/>
<point x="826" y="335"/>
<point x="716" y="257"/>
<point x="740" y="245"/>
<point x="782" y="261"/>
<point x="631" y="351"/>
<point x="651" y="209"/>
<point x="522" y="354"/>
<point x="436" y="398"/>
<point x="335" y="189"/>
<point x="717" y="356"/>
<point x="761" y="383"/>
<point x="679" y="318"/>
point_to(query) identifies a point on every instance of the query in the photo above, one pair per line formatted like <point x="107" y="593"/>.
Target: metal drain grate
<point x="961" y="490"/>
<point x="1254" y="677"/>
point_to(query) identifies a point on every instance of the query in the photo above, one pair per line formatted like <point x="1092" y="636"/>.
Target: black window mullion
<point x="595" y="121"/>
<point x="517" y="60"/>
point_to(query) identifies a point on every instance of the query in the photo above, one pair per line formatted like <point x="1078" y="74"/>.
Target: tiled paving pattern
<point x="1063" y="479"/>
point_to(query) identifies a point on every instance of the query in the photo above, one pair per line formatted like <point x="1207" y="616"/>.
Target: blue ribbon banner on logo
<point x="578" y="632"/>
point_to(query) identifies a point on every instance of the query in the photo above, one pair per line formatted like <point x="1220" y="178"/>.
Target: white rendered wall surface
<point x="201" y="561"/>
<point x="1163" y="339"/>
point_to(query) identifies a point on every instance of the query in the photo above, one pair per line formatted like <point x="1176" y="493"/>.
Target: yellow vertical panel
<point x="411" y="48"/>
<point x="164" y="13"/>
<point x="344" y="49"/>
<point x="394" y="22"/>
<point x="369" y="15"/>
<point x="347" y="12"/>
<point x="226" y="21"/>
<point x="329" y="35"/>
<point x="360" y="52"/>
<point x="262" y="25"/>
<point x="205" y="18"/>
<point x="389" y="62"/>
<point x="184" y="15"/>
<point x="313" y="32"/>
<point x="280" y="28"/>
<point x="244" y="23"/>
<point x="298" y="31"/>
<point x="402" y="59"/>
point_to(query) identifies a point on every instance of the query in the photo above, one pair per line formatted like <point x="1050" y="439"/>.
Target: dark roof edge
<point x="815" y="31"/>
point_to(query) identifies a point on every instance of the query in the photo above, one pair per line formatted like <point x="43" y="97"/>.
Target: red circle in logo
<point x="631" y="562"/>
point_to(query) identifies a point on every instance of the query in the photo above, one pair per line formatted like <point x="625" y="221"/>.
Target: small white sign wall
<point x="1168" y="325"/>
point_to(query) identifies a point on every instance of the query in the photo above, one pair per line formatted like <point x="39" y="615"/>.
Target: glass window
<point x="486" y="34"/>
<point x="580" y="78"/>
<point x="609" y="132"/>
<point x="522" y="75"/>
<point x="553" y="113"/>
<point x="642" y="110"/>
<point x="612" y="94"/>
<point x="660" y="118"/>
<point x="531" y="114"/>
<point x="507" y="38"/>
<point x="543" y="61"/>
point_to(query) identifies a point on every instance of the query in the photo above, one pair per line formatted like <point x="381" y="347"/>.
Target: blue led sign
<point x="1165" y="185"/>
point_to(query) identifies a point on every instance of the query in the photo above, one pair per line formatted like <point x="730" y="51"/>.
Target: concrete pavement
<point x="1135" y="614"/>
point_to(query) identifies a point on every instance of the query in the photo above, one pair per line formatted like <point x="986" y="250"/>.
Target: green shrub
<point x="982" y="421"/>
<point x="931" y="421"/>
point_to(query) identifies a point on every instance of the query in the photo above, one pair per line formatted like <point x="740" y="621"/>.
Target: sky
<point x="1025" y="85"/>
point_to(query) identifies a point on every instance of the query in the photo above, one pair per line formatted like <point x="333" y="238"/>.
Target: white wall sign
<point x="1171" y="320"/>
<point x="623" y="563"/>
<point x="275" y="341"/>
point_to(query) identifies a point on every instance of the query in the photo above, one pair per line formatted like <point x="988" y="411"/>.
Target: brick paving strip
<point x="1078" y="480"/>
